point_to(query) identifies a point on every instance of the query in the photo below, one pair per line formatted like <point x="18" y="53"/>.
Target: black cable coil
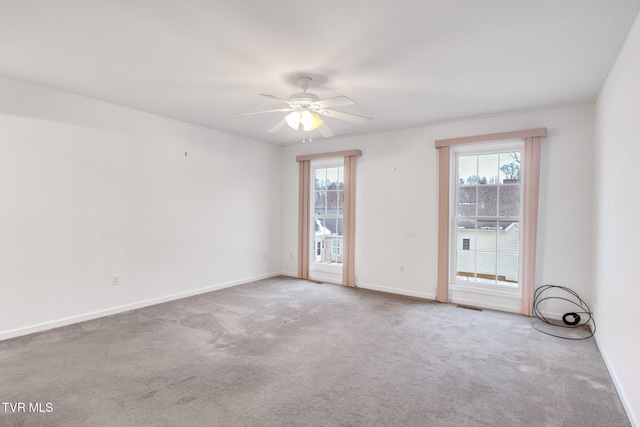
<point x="575" y="319"/>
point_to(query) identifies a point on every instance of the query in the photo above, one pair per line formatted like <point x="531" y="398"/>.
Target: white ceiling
<point x="405" y="63"/>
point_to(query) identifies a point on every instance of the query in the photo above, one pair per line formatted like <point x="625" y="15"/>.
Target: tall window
<point x="328" y="207"/>
<point x="530" y="173"/>
<point x="345" y="161"/>
<point x="487" y="216"/>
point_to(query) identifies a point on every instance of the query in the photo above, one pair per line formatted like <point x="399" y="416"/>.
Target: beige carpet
<point x="284" y="352"/>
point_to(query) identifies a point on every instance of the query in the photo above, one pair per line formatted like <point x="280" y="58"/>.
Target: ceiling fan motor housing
<point x="302" y="99"/>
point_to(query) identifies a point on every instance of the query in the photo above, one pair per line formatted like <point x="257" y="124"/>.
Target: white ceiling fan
<point x="306" y="108"/>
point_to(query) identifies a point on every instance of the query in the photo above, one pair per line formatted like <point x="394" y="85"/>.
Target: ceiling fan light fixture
<point x="293" y="120"/>
<point x="308" y="119"/>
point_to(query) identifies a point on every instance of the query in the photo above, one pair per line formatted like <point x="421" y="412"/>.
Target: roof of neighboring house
<point x="330" y="226"/>
<point x="482" y="200"/>
<point x="484" y="225"/>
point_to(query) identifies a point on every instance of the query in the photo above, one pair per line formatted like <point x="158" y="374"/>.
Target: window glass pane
<point x="508" y="269"/>
<point x="468" y="170"/>
<point x="488" y="169"/>
<point x="487" y="240"/>
<point x="321" y="177"/>
<point x="509" y="195"/>
<point x="466" y="265"/>
<point x="467" y="201"/>
<point x="487" y="224"/>
<point x="509" y="237"/>
<point x="332" y="202"/>
<point x="486" y="268"/>
<point x="340" y="202"/>
<point x="466" y="231"/>
<point x="509" y="167"/>
<point x="331" y="225"/>
<point x="466" y="250"/>
<point x="487" y="200"/>
<point x="332" y="178"/>
<point x="321" y="227"/>
<point x="336" y="247"/>
<point x="319" y="203"/>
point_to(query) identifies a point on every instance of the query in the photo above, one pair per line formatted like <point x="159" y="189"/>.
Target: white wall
<point x="90" y="189"/>
<point x="617" y="254"/>
<point x="396" y="200"/>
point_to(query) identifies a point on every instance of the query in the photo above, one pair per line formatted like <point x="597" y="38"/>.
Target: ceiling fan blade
<point x="277" y="127"/>
<point x="334" y="102"/>
<point x="275" y="97"/>
<point x="326" y="131"/>
<point x="265" y="111"/>
<point x="362" y="120"/>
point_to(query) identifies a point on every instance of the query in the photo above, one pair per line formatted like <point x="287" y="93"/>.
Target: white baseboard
<point x="13" y="333"/>
<point x="424" y="295"/>
<point x="484" y="304"/>
<point x="633" y="418"/>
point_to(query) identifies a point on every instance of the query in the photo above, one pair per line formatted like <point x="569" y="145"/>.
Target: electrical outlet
<point x="290" y="255"/>
<point x="402" y="269"/>
<point x="264" y="256"/>
<point x="115" y="280"/>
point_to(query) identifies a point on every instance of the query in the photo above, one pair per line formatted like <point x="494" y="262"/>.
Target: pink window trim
<point x="349" y="222"/>
<point x="518" y="134"/>
<point x="443" y="223"/>
<point x="346" y="153"/>
<point x="531" y="174"/>
<point x="303" y="220"/>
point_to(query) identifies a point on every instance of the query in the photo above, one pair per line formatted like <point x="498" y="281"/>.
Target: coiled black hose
<point x="571" y="320"/>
